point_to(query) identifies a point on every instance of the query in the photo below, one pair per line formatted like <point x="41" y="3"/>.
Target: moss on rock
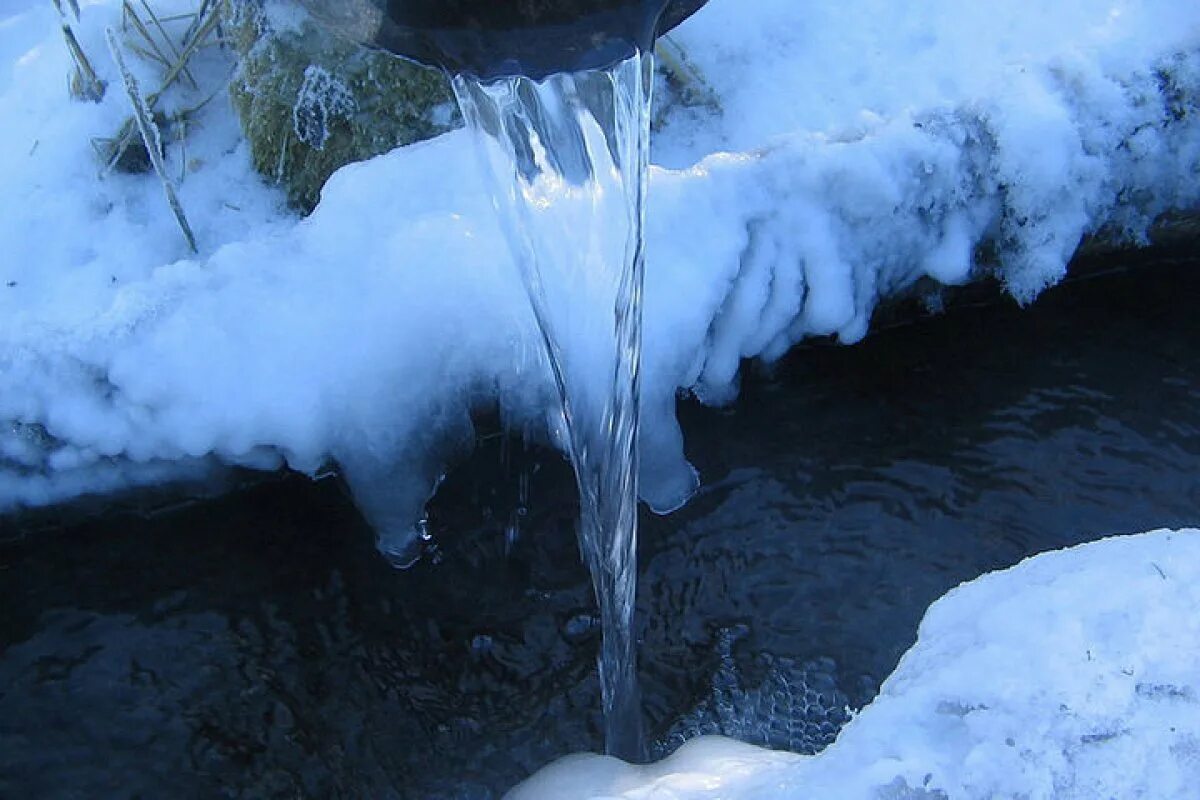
<point x="310" y="102"/>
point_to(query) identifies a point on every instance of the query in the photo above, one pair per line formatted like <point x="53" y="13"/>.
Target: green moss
<point x="310" y="102"/>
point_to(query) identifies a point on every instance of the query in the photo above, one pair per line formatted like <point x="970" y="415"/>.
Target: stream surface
<point x="257" y="646"/>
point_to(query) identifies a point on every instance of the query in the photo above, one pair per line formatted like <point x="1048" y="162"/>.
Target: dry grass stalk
<point x="204" y="22"/>
<point x="85" y="84"/>
<point x="674" y="59"/>
<point x="150" y="136"/>
<point x="192" y="42"/>
<point x="72" y="4"/>
<point x="141" y="28"/>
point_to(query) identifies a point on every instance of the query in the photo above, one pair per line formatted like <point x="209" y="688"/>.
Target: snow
<point x="859" y="146"/>
<point x="1075" y="674"/>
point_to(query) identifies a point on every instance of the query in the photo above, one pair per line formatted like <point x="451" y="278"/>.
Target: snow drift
<point x="850" y="149"/>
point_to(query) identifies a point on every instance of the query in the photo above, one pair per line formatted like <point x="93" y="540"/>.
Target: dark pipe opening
<point x="495" y="38"/>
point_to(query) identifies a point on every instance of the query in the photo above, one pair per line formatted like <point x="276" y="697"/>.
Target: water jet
<point x="558" y="95"/>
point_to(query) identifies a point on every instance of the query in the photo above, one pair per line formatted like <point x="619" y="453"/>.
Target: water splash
<point x="568" y="159"/>
<point x="794" y="706"/>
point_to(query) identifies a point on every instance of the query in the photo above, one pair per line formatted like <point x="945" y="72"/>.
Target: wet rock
<point x="310" y="102"/>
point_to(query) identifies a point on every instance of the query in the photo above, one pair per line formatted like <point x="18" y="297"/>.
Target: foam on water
<point x="568" y="158"/>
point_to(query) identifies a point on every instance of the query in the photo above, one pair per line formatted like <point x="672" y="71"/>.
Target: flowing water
<point x="568" y="159"/>
<point x="256" y="646"/>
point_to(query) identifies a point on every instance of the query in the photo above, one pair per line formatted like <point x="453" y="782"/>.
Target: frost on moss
<point x="310" y="102"/>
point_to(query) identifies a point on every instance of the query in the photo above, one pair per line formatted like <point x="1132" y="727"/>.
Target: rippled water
<point x="256" y="646"/>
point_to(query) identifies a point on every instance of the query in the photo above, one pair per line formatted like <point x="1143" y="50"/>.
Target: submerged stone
<point x="311" y="102"/>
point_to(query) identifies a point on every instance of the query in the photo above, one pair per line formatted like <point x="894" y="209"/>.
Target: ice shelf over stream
<point x="840" y="151"/>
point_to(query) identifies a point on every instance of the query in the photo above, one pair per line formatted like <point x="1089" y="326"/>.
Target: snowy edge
<point x="366" y="333"/>
<point x="1071" y="675"/>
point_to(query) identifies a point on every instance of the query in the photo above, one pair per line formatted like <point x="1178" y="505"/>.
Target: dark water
<point x="256" y="646"/>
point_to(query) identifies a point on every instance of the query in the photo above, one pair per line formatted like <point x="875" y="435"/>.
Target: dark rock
<point x="310" y="102"/>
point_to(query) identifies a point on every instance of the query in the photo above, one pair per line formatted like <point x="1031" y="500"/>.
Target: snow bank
<point x="1075" y="674"/>
<point x="858" y="146"/>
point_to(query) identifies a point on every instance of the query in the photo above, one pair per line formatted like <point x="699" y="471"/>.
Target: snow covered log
<point x="858" y="148"/>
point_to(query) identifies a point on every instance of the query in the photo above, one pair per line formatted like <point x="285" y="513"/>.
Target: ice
<point x="858" y="147"/>
<point x="321" y="98"/>
<point x="1075" y="674"/>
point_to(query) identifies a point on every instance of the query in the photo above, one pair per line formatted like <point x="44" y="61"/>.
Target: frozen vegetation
<point x="1075" y="674"/>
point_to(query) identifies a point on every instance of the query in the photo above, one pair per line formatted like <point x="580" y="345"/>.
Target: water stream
<point x="568" y="160"/>
<point x="255" y="645"/>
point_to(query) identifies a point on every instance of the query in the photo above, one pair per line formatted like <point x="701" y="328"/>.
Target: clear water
<point x="568" y="160"/>
<point x="256" y="646"/>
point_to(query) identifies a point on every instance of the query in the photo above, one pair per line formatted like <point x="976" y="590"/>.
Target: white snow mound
<point x="1075" y="674"/>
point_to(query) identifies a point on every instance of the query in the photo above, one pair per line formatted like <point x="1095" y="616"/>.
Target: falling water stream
<point x="568" y="160"/>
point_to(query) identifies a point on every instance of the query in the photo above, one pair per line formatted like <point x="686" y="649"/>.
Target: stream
<point x="255" y="645"/>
